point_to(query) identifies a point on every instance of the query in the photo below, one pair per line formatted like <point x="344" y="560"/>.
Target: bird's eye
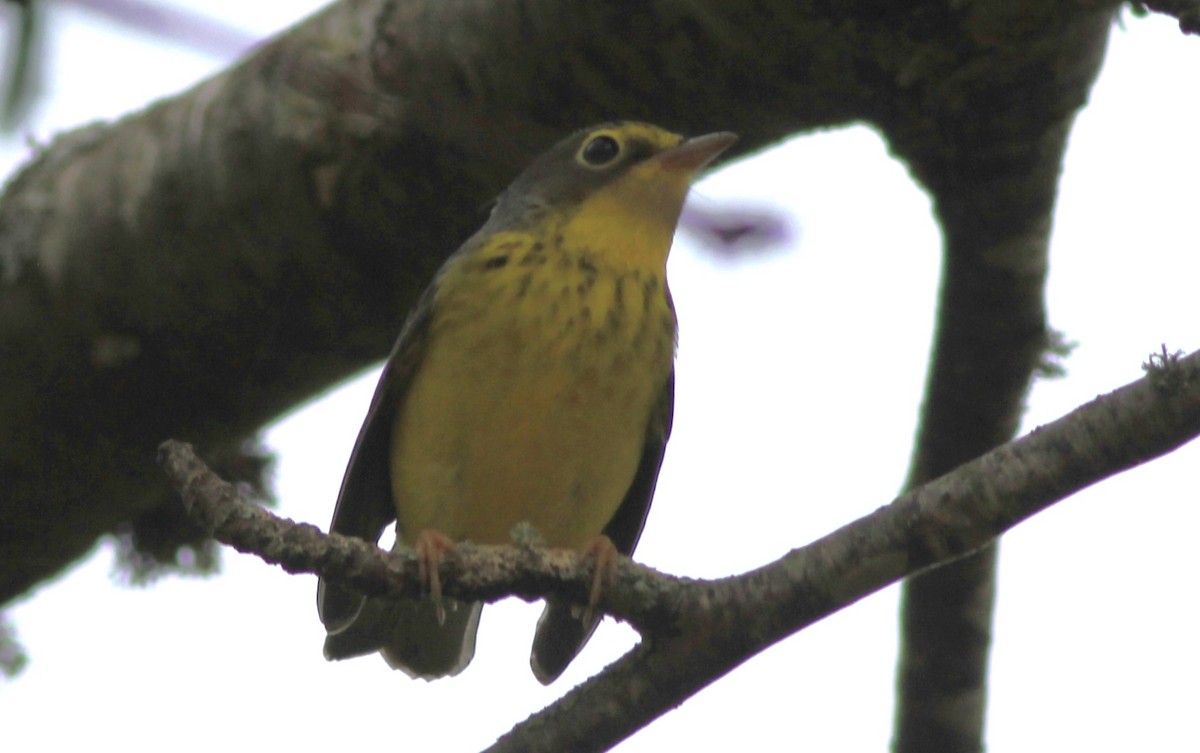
<point x="600" y="151"/>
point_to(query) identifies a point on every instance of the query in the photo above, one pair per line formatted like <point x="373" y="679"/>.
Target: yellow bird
<point x="533" y="383"/>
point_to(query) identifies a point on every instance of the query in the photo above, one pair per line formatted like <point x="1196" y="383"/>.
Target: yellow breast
<point x="532" y="399"/>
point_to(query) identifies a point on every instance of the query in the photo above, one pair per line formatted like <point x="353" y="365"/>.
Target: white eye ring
<point x="599" y="151"/>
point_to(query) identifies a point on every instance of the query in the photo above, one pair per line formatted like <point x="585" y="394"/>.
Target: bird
<point x="532" y="384"/>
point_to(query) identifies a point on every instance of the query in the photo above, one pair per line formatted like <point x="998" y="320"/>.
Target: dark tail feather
<point x="561" y="635"/>
<point x="408" y="635"/>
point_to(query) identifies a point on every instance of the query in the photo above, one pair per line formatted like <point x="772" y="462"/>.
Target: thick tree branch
<point x="990" y="153"/>
<point x="198" y="268"/>
<point x="696" y="631"/>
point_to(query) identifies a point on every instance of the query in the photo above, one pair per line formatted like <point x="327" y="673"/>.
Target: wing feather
<point x="365" y="505"/>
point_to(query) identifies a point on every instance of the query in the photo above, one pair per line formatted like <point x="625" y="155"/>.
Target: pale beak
<point x="693" y="154"/>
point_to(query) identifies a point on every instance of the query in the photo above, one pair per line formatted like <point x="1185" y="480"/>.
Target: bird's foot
<point x="605" y="554"/>
<point x="431" y="547"/>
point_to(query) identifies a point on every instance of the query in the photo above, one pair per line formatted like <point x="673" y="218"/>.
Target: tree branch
<point x="696" y="631"/>
<point x="1187" y="12"/>
<point x="474" y="572"/>
<point x="990" y="154"/>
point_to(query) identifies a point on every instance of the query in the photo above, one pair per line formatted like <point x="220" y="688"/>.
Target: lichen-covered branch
<point x="473" y="572"/>
<point x="700" y="630"/>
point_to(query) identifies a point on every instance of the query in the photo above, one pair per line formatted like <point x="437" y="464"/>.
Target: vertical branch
<point x="990" y="153"/>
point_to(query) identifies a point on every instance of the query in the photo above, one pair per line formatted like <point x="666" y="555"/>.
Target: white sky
<point x="785" y="358"/>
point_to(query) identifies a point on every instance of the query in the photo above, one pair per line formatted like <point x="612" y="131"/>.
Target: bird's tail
<point x="409" y="636"/>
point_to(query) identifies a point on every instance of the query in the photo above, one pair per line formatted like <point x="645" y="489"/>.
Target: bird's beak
<point x="693" y="154"/>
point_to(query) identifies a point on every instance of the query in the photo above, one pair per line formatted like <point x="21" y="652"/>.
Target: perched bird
<point x="533" y="383"/>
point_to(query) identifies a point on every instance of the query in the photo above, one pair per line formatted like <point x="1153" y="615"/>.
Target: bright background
<point x="800" y="375"/>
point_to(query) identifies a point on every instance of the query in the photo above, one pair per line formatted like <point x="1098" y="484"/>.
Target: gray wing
<point x="560" y="634"/>
<point x="365" y="506"/>
<point x="408" y="633"/>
